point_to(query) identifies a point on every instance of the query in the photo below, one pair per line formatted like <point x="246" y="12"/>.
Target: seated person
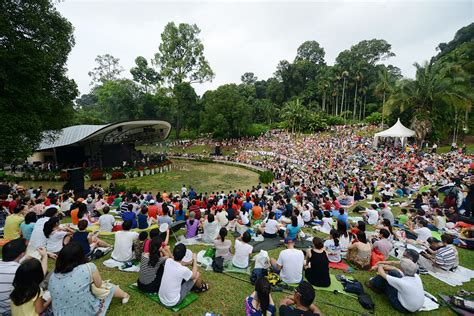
<point x="106" y="221"/>
<point x="293" y="229"/>
<point x="269" y="227"/>
<point x="290" y="263"/>
<point x="178" y="280"/>
<point x="403" y="287"/>
<point x="359" y="253"/>
<point x="210" y="229"/>
<point x="223" y="245"/>
<point x="165" y="218"/>
<point x="57" y="236"/>
<point x="327" y="222"/>
<point x="371" y="216"/>
<point x="143" y="218"/>
<point x="301" y="303"/>
<point x="88" y="241"/>
<point x="123" y="246"/>
<point x="343" y="216"/>
<point x="445" y="258"/>
<point x="28" y="225"/>
<point x="242" y="251"/>
<point x="192" y="226"/>
<point x="152" y="265"/>
<point x="403" y="217"/>
<point x="383" y="244"/>
<point x="440" y="220"/>
<point x="12" y="230"/>
<point x="180" y="213"/>
<point x="260" y="302"/>
<point x="129" y="215"/>
<point x="139" y="244"/>
<point x="333" y="246"/>
<point x="422" y="233"/>
<point x="317" y="267"/>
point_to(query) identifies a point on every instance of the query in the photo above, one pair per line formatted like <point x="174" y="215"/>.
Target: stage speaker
<point x="217" y="151"/>
<point x="75" y="180"/>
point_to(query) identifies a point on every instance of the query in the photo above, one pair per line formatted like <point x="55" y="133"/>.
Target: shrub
<point x="266" y="177"/>
<point x="374" y="118"/>
<point x="256" y="129"/>
<point x="335" y="120"/>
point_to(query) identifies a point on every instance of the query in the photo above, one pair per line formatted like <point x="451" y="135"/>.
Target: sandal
<point x="204" y="287"/>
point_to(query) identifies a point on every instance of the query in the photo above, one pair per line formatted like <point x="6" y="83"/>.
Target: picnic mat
<point x="229" y="267"/>
<point x="273" y="243"/>
<point x="191" y="297"/>
<point x="454" y="278"/>
<point x="336" y="286"/>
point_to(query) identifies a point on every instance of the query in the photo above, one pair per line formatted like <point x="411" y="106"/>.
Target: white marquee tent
<point x="396" y="131"/>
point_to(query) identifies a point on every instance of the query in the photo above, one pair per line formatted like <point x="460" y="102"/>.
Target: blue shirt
<point x="130" y="216"/>
<point x="142" y="221"/>
<point x="247" y="205"/>
<point x="180" y="217"/>
<point x="343" y="218"/>
<point x="292" y="231"/>
<point x="27" y="229"/>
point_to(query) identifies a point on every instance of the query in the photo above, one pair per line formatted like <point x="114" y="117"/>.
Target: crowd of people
<point x="317" y="178"/>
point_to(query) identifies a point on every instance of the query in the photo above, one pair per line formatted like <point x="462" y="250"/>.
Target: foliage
<point x="374" y="118"/>
<point x="293" y="113"/>
<point x="317" y="122"/>
<point x="187" y="108"/>
<point x="310" y="51"/>
<point x="35" y="42"/>
<point x="266" y="177"/>
<point x="108" y="68"/>
<point x="248" y="78"/>
<point x="181" y="55"/>
<point x="335" y="120"/>
<point x="144" y="74"/>
<point x="119" y="99"/>
<point x="256" y="129"/>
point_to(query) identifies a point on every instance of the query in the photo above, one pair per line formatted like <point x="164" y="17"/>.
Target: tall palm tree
<point x="383" y="88"/>
<point x="433" y="91"/>
<point x="345" y="74"/>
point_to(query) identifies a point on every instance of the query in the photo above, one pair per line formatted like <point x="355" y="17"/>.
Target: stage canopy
<point x="398" y="131"/>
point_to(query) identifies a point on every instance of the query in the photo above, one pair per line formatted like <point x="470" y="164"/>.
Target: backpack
<point x="218" y="264"/>
<point x="273" y="278"/>
<point x="353" y="286"/>
<point x="257" y="274"/>
<point x="366" y="301"/>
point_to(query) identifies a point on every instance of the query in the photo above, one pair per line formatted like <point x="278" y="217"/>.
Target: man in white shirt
<point x="106" y="221"/>
<point x="371" y="215"/>
<point x="12" y="253"/>
<point x="290" y="263"/>
<point x="242" y="251"/>
<point x="124" y="239"/>
<point x="175" y="290"/>
<point x="403" y="288"/>
<point x="422" y="233"/>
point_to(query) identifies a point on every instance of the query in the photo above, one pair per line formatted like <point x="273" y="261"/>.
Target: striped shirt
<point x="7" y="274"/>
<point x="147" y="272"/>
<point x="446" y="258"/>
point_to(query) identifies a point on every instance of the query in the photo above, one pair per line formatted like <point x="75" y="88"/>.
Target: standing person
<point x="242" y="251"/>
<point x="179" y="280"/>
<point x="301" y="303"/>
<point x="403" y="287"/>
<point x="70" y="285"/>
<point x="260" y="302"/>
<point x="124" y="239"/>
<point x="317" y="268"/>
<point x="290" y="263"/>
<point x="12" y="252"/>
<point x="27" y="296"/>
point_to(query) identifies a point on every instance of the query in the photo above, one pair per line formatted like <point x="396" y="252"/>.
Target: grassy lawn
<point x="203" y="177"/>
<point x="446" y="149"/>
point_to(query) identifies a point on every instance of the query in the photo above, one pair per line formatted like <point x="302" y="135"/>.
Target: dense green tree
<point x="108" y="68"/>
<point x="120" y="99"/>
<point x="248" y="78"/>
<point x="293" y="113"/>
<point x="310" y="51"/>
<point x="187" y="107"/>
<point x="35" y="93"/>
<point x="226" y="113"/>
<point x="144" y="74"/>
<point x="181" y="55"/>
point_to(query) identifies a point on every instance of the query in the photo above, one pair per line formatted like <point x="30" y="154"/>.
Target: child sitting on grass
<point x="88" y="241"/>
<point x="138" y="245"/>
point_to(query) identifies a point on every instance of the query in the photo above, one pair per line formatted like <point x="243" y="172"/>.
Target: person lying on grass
<point x="301" y="303"/>
<point x="173" y="290"/>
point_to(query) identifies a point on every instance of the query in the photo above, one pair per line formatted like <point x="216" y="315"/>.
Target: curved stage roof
<point x="138" y="132"/>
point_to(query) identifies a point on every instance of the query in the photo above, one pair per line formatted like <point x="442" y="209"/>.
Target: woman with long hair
<point x="56" y="236"/>
<point x="360" y="251"/>
<point x="152" y="266"/>
<point x="269" y="227"/>
<point x="223" y="245"/>
<point x="70" y="285"/>
<point x="292" y="230"/>
<point x="260" y="302"/>
<point x="345" y="237"/>
<point x="317" y="266"/>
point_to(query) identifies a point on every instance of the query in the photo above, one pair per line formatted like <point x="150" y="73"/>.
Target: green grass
<point x="193" y="149"/>
<point x="447" y="149"/>
<point x="203" y="177"/>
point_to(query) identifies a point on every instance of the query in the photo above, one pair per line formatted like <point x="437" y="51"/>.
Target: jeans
<point x="392" y="293"/>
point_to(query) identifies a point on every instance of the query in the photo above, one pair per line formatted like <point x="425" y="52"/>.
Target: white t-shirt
<point x="271" y="226"/>
<point x="373" y="217"/>
<point x="441" y="222"/>
<point x="54" y="243"/>
<point x="334" y="252"/>
<point x="222" y="218"/>
<point x="327" y="224"/>
<point x="242" y="253"/>
<point x="306" y="216"/>
<point x="300" y="221"/>
<point x="423" y="233"/>
<point x="174" y="273"/>
<point x="211" y="231"/>
<point x="292" y="261"/>
<point x="410" y="291"/>
<point x="244" y="218"/>
<point x="38" y="239"/>
<point x="123" y="245"/>
<point x="106" y="222"/>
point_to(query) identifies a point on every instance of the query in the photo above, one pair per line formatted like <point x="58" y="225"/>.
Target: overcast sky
<point x="252" y="36"/>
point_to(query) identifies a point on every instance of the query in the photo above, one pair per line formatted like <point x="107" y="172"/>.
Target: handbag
<point x="99" y="292"/>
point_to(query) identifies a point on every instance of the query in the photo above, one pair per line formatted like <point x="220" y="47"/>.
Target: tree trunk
<point x="324" y="101"/>
<point x="355" y="103"/>
<point x="343" y="88"/>
<point x="383" y="105"/>
<point x="337" y="106"/>
<point x="365" y="102"/>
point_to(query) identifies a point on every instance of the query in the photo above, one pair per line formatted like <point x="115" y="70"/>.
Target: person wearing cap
<point x="290" y="263"/>
<point x="403" y="287"/>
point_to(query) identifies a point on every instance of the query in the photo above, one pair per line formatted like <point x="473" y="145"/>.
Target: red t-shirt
<point x="11" y="206"/>
<point x="153" y="211"/>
